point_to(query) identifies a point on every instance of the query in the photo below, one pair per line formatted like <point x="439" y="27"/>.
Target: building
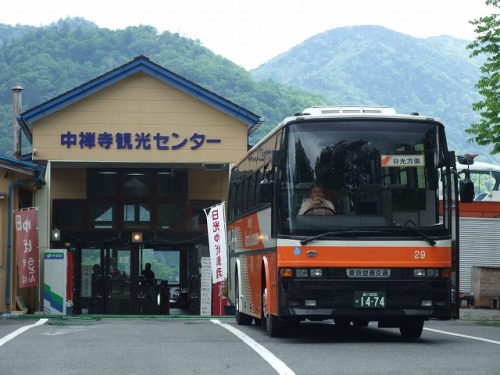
<point x="122" y="169"/>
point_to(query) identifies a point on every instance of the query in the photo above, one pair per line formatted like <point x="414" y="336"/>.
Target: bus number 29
<point x="419" y="254"/>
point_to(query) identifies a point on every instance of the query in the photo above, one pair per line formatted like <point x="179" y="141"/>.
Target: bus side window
<point x="266" y="188"/>
<point x="232" y="204"/>
<point x="258" y="178"/>
<point x="238" y="200"/>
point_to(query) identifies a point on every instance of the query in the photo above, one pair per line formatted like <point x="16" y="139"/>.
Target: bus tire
<point x="411" y="328"/>
<point x="275" y="327"/>
<point x="242" y="319"/>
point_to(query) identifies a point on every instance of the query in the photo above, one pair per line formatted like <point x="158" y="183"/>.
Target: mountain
<point x="48" y="61"/>
<point x="350" y="65"/>
<point x="372" y="65"/>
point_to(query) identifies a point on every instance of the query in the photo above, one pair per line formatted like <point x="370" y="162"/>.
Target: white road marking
<point x="464" y="336"/>
<point x="269" y="357"/>
<point x="17" y="332"/>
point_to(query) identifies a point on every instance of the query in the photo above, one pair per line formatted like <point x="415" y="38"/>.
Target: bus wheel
<point x="241" y="318"/>
<point x="274" y="326"/>
<point x="411" y="328"/>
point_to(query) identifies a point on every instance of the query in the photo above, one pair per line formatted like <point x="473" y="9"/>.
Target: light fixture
<point x="3" y="195"/>
<point x="55" y="235"/>
<point x="136" y="237"/>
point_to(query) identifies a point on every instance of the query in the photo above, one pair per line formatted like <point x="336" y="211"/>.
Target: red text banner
<point x="216" y="225"/>
<point x="26" y="227"/>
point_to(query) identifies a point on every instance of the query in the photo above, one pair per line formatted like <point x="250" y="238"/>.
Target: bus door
<point x="108" y="280"/>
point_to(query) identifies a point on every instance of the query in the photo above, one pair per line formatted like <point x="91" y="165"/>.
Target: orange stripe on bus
<point x="364" y="256"/>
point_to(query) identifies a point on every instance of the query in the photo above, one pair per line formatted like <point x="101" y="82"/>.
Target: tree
<point x="487" y="43"/>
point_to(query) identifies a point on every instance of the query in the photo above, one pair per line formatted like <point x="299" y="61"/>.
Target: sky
<point x="251" y="32"/>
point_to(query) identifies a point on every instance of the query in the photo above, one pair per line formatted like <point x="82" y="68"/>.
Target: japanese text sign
<point x="26" y="228"/>
<point x="402" y="160"/>
<point x="216" y="225"/>
<point x="128" y="141"/>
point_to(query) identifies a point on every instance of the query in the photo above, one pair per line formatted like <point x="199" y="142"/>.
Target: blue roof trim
<point x="140" y="63"/>
<point x="24" y="166"/>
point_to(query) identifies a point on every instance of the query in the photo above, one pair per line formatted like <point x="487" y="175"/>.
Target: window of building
<point x="137" y="184"/>
<point x="136" y="215"/>
<point x="172" y="184"/>
<point x="171" y="216"/>
<point x="101" y="183"/>
<point x="69" y="214"/>
<point x="131" y="199"/>
<point x="101" y="215"/>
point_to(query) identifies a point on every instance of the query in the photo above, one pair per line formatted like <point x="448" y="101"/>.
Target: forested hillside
<point x="51" y="60"/>
<point x="374" y="65"/>
<point x="351" y="65"/>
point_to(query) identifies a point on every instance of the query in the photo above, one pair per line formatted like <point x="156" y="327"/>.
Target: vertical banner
<point x="206" y="288"/>
<point x="55" y="278"/>
<point x="216" y="225"/>
<point x="27" y="247"/>
<point x="86" y="288"/>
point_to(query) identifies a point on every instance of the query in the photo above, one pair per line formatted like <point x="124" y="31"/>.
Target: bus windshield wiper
<point x="357" y="231"/>
<point x="340" y="233"/>
<point x="420" y="233"/>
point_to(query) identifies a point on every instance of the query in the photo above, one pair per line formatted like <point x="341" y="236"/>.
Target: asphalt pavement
<point x="466" y="314"/>
<point x="479" y="314"/>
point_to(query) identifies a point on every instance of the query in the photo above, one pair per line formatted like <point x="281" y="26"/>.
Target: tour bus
<point x="377" y="249"/>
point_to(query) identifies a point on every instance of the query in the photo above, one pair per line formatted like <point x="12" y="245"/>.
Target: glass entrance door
<point x="109" y="282"/>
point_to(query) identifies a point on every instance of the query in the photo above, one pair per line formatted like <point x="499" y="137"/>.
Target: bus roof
<point x="339" y="111"/>
<point x="353" y="111"/>
<point x="345" y="109"/>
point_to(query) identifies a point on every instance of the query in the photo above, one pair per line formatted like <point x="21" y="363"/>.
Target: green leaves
<point x="487" y="42"/>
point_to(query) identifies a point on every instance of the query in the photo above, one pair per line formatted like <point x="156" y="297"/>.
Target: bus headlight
<point x="419" y="272"/>
<point x="301" y="272"/>
<point x="426" y="272"/>
<point x="432" y="272"/>
<point x="316" y="272"/>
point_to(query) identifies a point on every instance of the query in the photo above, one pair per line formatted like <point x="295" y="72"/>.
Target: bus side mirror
<point x="466" y="159"/>
<point x="266" y="190"/>
<point x="466" y="189"/>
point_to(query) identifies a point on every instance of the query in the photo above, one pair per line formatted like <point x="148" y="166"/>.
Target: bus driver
<point x="316" y="204"/>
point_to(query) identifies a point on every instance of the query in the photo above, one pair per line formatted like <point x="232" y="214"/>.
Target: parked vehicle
<point x="384" y="253"/>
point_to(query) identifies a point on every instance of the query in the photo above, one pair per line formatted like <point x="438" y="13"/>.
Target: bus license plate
<point x="369" y="299"/>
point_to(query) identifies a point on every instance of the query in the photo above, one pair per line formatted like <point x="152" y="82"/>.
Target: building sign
<point x="216" y="225"/>
<point x="86" y="289"/>
<point x="27" y="246"/>
<point x="206" y="288"/>
<point x="55" y="279"/>
<point x="402" y="160"/>
<point x="130" y="141"/>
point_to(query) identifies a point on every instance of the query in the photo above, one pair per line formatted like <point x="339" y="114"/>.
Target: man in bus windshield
<point x="317" y="204"/>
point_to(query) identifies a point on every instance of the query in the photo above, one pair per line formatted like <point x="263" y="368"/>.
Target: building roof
<point x="17" y="165"/>
<point x="140" y="63"/>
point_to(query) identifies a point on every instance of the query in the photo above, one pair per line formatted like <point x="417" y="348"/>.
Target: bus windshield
<point x="360" y="174"/>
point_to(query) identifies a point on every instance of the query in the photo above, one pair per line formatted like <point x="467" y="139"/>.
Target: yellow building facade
<point x="131" y="159"/>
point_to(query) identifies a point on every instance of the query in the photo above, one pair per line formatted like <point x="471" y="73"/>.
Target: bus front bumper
<point x="330" y="299"/>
